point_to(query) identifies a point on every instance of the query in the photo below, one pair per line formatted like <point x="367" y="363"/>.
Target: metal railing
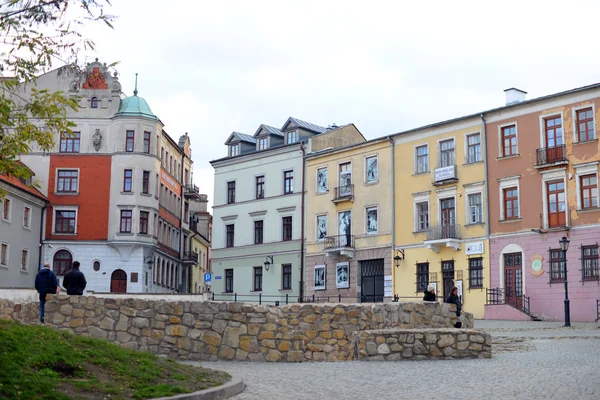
<point x="278" y="300"/>
<point x="191" y="188"/>
<point x="190" y="256"/>
<point x="497" y="296"/>
<point x="343" y="192"/>
<point x="443" y="231"/>
<point x="549" y="155"/>
<point x="334" y="242"/>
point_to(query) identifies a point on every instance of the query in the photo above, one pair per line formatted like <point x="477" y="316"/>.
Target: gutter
<point x="393" y="210"/>
<point x="485" y="171"/>
<point x="42" y="224"/>
<point x="302" y="211"/>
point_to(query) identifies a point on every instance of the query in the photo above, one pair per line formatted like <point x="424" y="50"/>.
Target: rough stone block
<point x="231" y="337"/>
<point x="383" y="349"/>
<point x="273" y="356"/>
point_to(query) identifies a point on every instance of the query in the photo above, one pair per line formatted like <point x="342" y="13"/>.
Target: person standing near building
<point x="74" y="281"/>
<point x="454" y="299"/>
<point x="45" y="282"/>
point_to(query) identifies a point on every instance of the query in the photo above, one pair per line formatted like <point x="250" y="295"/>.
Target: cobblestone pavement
<point x="532" y="360"/>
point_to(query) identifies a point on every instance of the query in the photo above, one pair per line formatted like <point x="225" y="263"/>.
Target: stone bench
<point x="421" y="344"/>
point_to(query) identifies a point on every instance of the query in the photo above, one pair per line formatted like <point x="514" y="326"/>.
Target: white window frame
<point x="469" y="191"/>
<point x="417" y="199"/>
<point x="445" y="194"/>
<point x="287" y="138"/>
<point x="416" y="162"/>
<point x="28" y="225"/>
<point x="576" y="128"/>
<point x="581" y="170"/>
<point x="7" y="254"/>
<point x="68" y="208"/>
<point x="466" y="147"/>
<point x="317" y="226"/>
<point x="438" y="161"/>
<point x="501" y="142"/>
<point x="231" y="147"/>
<point x="325" y="167"/>
<point x="10" y="208"/>
<point x="542" y="127"/>
<point x="367" y="208"/>
<point x="337" y="222"/>
<point x="547" y="176"/>
<point x="260" y="139"/>
<point x="366" y="179"/>
<point x="505" y="183"/>
<point x="337" y="172"/>
<point x="26" y="260"/>
<point x="76" y="192"/>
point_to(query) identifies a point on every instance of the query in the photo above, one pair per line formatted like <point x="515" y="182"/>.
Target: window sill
<point x="2" y="266"/>
<point x="586" y="141"/>
<point x="68" y="152"/>
<point x="475" y="224"/>
<point x="557" y="281"/>
<point x="27" y="228"/>
<point x="24" y="271"/>
<point x="64" y="233"/>
<point x="7" y="221"/>
<point x="124" y="233"/>
<point x="588" y="210"/>
<point x="226" y="292"/>
<point x="143" y="235"/>
<point x="146" y="194"/>
<point x="417" y="232"/>
<point x="256" y="291"/>
<point x="285" y="290"/>
<point x="127" y="193"/>
<point x="472" y="163"/>
<point x="66" y="193"/>
<point x="421" y="173"/>
<point x="321" y="193"/>
<point x="508" y="157"/>
<point x="510" y="221"/>
<point x="591" y="279"/>
<point x="371" y="183"/>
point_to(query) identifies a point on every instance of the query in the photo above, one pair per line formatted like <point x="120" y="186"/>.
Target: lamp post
<point x="268" y="262"/>
<point x="564" y="246"/>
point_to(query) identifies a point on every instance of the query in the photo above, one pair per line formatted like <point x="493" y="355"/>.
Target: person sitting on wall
<point x="45" y="282"/>
<point x="429" y="294"/>
<point x="75" y="281"/>
<point x="454" y="299"/>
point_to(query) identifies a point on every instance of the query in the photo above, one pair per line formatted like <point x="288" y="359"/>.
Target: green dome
<point x="135" y="106"/>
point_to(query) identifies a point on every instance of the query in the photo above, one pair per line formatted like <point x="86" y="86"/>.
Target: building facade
<point x="118" y="188"/>
<point x="349" y="218"/>
<point x="21" y="213"/>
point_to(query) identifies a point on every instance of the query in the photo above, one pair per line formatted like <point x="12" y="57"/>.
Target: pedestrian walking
<point x="75" y="281"/>
<point x="45" y="282"/>
<point x="429" y="294"/>
<point x="454" y="299"/>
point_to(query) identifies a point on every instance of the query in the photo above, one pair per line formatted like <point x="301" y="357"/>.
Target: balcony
<point x="340" y="244"/>
<point x="189" y="257"/>
<point x="191" y="191"/>
<point x="445" y="175"/>
<point x="193" y="224"/>
<point x="551" y="157"/>
<point x="446" y="235"/>
<point x="343" y="193"/>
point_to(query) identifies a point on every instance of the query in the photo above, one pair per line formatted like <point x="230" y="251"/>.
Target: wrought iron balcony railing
<point x="190" y="257"/>
<point x="343" y="193"/>
<point x="550" y="155"/>
<point x="443" y="231"/>
<point x="339" y="241"/>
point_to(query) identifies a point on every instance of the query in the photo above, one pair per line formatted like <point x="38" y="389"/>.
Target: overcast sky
<point x="212" y="67"/>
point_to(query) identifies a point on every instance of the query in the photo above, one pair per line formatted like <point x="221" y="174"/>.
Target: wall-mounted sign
<point x="165" y="178"/>
<point x="474" y="248"/>
<point x="537" y="267"/>
<point x="445" y="173"/>
<point x="459" y="286"/>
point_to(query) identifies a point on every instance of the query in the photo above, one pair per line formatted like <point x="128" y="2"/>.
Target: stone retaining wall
<point x="206" y="330"/>
<point x="421" y="344"/>
<point x="21" y="312"/>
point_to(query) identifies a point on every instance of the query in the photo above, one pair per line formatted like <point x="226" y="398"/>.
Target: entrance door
<point x="553" y="133"/>
<point x="513" y="280"/>
<point x="346" y="180"/>
<point x="118" y="281"/>
<point x="448" y="277"/>
<point x="557" y="206"/>
<point x="448" y="214"/>
<point x="372" y="281"/>
<point x="345" y="226"/>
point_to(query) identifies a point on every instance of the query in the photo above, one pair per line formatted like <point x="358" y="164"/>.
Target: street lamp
<point x="268" y="262"/>
<point x="564" y="246"/>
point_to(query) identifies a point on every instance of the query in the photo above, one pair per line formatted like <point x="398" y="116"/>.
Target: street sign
<point x="218" y="277"/>
<point x="207" y="277"/>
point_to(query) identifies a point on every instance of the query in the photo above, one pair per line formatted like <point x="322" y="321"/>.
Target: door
<point x="345" y="222"/>
<point x="118" y="281"/>
<point x="372" y="281"/>
<point x="557" y="206"/>
<point x="346" y="180"/>
<point x="448" y="214"/>
<point x="448" y="277"/>
<point x="553" y="133"/>
<point x="513" y="280"/>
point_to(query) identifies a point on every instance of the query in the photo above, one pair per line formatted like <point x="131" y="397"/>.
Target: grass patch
<point x="41" y="363"/>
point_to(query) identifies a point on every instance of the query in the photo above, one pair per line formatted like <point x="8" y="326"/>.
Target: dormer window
<point x="234" y="150"/>
<point x="291" y="137"/>
<point x="263" y="143"/>
<point x="94" y="102"/>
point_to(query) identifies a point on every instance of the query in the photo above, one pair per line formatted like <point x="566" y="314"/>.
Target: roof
<point x="271" y="130"/>
<point x="303" y="124"/>
<point x="135" y="106"/>
<point x="242" y="137"/>
<point x="17" y="183"/>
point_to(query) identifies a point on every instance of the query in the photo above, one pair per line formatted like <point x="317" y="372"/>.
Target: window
<point x="287" y="228"/>
<point x="475" y="273"/>
<point x="230" y="192"/>
<point x="126" y="221"/>
<point x="67" y="181"/>
<point x="589" y="263"/>
<point x="257" y="279"/>
<point x="229" y="229"/>
<point x="64" y="221"/>
<point x="321" y="227"/>
<point x="94" y="102"/>
<point x="286" y="277"/>
<point x="446" y="153"/>
<point x="260" y="187"/>
<point x="229" y="280"/>
<point x="475" y="209"/>
<point x="27" y="217"/>
<point x="511" y="203"/>
<point x="147" y="142"/>
<point x="129" y="140"/>
<point x="288" y="182"/>
<point x="422" y="276"/>
<point x="258" y="232"/>
<point x="162" y="156"/>
<point x="144" y="222"/>
<point x="263" y="143"/>
<point x="585" y="125"/>
<point x="145" y="182"/>
<point x="422" y="216"/>
<point x="372" y="173"/>
<point x="3" y="254"/>
<point x="509" y="141"/>
<point x="292" y="137"/>
<point x="134" y="277"/>
<point x="6" y="209"/>
<point x="589" y="191"/>
<point x="61" y="263"/>
<point x="24" y="259"/>
<point x="474" y="148"/>
<point x="322" y="180"/>
<point x="127" y="180"/>
<point x="372" y="220"/>
<point x="234" y="150"/>
<point x="557" y="267"/>
<point x="422" y="160"/>
<point x="69" y="143"/>
<point x="557" y="205"/>
<point x="96" y="266"/>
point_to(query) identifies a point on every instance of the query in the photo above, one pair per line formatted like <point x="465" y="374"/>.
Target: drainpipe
<point x="301" y="292"/>
<point x="485" y="171"/>
<point x="42" y="224"/>
<point x="181" y="219"/>
<point x="393" y="210"/>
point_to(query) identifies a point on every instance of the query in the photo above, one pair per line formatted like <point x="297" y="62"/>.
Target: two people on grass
<point x="46" y="283"/>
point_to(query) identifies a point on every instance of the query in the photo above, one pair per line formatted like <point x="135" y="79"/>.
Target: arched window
<point x="94" y="102"/>
<point x="62" y="262"/>
<point x="96" y="265"/>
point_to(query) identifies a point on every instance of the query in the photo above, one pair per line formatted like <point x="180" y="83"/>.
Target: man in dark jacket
<point x="45" y="282"/>
<point x="74" y="281"/>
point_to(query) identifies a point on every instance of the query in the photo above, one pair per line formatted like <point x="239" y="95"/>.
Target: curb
<point x="233" y="387"/>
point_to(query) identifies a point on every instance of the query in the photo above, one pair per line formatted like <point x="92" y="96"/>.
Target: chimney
<point x="514" y="96"/>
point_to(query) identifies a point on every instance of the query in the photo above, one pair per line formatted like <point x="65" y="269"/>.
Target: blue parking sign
<point x="207" y="277"/>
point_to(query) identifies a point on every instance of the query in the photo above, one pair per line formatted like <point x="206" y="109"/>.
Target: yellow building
<point x="201" y="246"/>
<point x="441" y="212"/>
<point x="349" y="218"/>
